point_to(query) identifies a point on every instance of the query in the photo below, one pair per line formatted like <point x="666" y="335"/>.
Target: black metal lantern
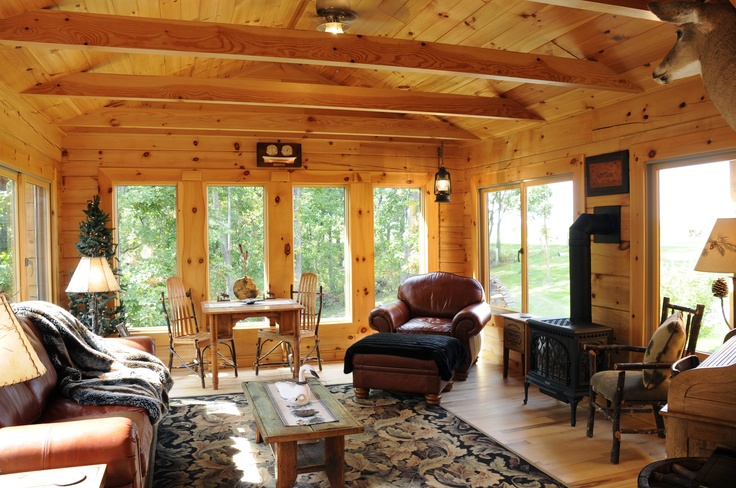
<point x="442" y="182"/>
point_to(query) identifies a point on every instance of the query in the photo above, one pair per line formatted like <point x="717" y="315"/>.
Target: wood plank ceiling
<point x="407" y="70"/>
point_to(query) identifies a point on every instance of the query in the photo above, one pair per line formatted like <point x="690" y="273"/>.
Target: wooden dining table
<point x="221" y="317"/>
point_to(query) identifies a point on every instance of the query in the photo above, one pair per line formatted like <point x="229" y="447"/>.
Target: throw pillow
<point x="664" y="347"/>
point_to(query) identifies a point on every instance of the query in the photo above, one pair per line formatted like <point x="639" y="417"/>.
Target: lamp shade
<point x="19" y="360"/>
<point x="93" y="275"/>
<point x="719" y="253"/>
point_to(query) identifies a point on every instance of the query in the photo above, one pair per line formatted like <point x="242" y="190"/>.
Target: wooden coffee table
<point x="283" y="439"/>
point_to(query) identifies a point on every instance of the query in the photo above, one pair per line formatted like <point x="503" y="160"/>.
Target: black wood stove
<point x="558" y="366"/>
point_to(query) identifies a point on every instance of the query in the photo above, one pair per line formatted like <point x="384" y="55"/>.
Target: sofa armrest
<point x="388" y="317"/>
<point x="112" y="441"/>
<point x="469" y="321"/>
<point x="142" y="343"/>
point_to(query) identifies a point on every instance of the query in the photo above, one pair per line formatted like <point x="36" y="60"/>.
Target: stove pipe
<point x="580" y="282"/>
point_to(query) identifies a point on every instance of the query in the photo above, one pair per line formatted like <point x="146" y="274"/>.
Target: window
<point x="25" y="214"/>
<point x="320" y="243"/>
<point x="689" y="198"/>
<point x="235" y="218"/>
<point x="146" y="229"/>
<point x="37" y="241"/>
<point x="397" y="222"/>
<point x="8" y="265"/>
<point x="525" y="246"/>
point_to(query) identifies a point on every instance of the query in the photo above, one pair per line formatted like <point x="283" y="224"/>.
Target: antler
<point x="244" y="255"/>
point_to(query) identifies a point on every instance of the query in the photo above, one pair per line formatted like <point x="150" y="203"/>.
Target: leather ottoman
<point x="408" y="363"/>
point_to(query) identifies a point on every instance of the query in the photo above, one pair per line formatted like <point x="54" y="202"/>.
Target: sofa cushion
<point x="426" y="325"/>
<point x="439" y="294"/>
<point x="665" y="346"/>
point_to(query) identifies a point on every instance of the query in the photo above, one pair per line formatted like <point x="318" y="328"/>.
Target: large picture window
<point x="235" y="219"/>
<point x="320" y="243"/>
<point x="397" y="225"/>
<point x="525" y="246"/>
<point x="146" y="229"/>
<point x="689" y="198"/>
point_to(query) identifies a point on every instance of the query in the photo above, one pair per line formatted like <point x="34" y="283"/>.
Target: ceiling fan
<point x="336" y="14"/>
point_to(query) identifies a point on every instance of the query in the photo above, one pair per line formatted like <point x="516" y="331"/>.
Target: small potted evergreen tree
<point x="96" y="240"/>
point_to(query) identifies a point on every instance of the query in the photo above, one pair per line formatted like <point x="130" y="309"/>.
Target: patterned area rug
<point x="209" y="441"/>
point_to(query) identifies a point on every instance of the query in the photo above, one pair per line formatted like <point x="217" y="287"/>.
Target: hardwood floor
<point x="539" y="431"/>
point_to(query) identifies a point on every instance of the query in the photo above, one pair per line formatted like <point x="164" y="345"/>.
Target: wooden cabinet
<point x="515" y="338"/>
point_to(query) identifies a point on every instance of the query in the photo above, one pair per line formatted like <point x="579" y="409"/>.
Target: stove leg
<point x="573" y="411"/>
<point x="526" y="391"/>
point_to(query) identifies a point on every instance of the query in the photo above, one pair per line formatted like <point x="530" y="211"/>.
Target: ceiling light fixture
<point x="337" y="16"/>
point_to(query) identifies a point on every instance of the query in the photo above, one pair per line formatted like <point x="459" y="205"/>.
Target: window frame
<point x="265" y="287"/>
<point x="523" y="186"/>
<point x="423" y="226"/>
<point x="348" y="312"/>
<point x="21" y="283"/>
<point x="653" y="282"/>
<point x="116" y="227"/>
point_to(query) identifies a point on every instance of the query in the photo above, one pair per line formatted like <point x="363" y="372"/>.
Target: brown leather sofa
<point x="438" y="303"/>
<point x="40" y="429"/>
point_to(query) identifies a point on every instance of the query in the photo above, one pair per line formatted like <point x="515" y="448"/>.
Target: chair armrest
<point x="613" y="348"/>
<point x="469" y="321"/>
<point x="100" y="440"/>
<point x="640" y="366"/>
<point x="608" y="351"/>
<point x="388" y="317"/>
<point x="685" y="364"/>
<point x="142" y="343"/>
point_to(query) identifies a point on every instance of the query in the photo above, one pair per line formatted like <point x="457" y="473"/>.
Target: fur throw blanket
<point x="95" y="371"/>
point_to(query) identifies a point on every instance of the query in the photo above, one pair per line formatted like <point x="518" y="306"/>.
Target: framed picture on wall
<point x="607" y="174"/>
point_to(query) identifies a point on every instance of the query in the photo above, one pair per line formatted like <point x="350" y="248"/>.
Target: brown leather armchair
<point x="438" y="303"/>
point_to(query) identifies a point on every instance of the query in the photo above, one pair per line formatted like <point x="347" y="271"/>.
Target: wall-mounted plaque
<point x="278" y="154"/>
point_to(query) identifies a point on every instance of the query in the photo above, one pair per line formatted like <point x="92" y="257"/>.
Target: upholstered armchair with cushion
<point x="438" y="303"/>
<point x="642" y="386"/>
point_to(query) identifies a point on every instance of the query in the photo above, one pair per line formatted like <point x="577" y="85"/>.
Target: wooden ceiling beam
<point x="57" y="29"/>
<point x="266" y="93"/>
<point x="637" y="9"/>
<point x="298" y="122"/>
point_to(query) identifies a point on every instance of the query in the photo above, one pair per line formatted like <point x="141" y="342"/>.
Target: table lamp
<point x="20" y="361"/>
<point x="719" y="253"/>
<point x="93" y="275"/>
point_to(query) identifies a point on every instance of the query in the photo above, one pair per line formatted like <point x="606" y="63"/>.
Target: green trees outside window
<point x="235" y="217"/>
<point x="146" y="226"/>
<point x="320" y="243"/>
<point x="397" y="226"/>
<point x="8" y="280"/>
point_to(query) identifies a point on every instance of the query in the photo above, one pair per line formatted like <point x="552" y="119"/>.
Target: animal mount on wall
<point x="706" y="44"/>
